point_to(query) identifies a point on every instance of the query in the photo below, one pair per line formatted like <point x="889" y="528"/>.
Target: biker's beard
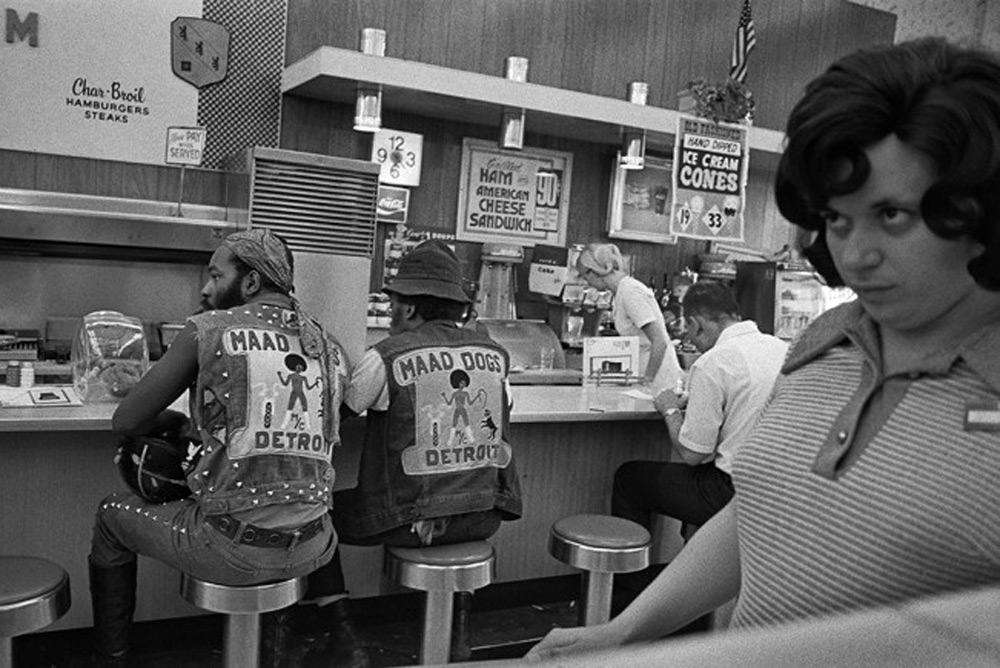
<point x="231" y="297"/>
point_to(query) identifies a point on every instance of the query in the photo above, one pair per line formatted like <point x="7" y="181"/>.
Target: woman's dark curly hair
<point x="938" y="98"/>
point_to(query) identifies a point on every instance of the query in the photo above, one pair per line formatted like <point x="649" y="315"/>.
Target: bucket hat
<point x="430" y="269"/>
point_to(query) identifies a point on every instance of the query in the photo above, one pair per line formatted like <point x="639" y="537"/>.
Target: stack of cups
<point x="27" y="374"/>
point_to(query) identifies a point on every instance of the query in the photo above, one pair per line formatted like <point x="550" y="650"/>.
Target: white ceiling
<point x="976" y="21"/>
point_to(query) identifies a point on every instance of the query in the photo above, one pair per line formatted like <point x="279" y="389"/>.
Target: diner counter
<point x="567" y="440"/>
<point x="532" y="404"/>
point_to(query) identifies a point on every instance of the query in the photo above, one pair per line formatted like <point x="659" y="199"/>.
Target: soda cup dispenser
<point x="574" y="308"/>
<point x="495" y="299"/>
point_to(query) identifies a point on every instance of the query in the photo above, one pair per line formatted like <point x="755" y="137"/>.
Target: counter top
<point x="586" y="403"/>
<point x="532" y="404"/>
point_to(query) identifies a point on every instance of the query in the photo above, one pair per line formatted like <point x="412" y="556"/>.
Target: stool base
<point x="241" y="642"/>
<point x="595" y="597"/>
<point x="435" y="643"/>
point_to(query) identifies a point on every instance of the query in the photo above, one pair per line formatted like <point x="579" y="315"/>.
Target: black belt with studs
<point x="260" y="537"/>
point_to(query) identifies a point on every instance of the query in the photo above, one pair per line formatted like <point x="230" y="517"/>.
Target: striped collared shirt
<point x="857" y="490"/>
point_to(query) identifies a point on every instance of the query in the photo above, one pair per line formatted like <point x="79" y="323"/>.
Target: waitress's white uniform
<point x="633" y="307"/>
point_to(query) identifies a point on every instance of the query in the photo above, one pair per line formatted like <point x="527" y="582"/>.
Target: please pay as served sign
<point x="185" y="146"/>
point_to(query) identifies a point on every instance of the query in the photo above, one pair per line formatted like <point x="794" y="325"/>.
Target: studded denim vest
<point x="442" y="448"/>
<point x="268" y="414"/>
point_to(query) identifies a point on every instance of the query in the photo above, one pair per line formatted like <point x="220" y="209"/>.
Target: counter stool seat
<point x="440" y="571"/>
<point x="34" y="592"/>
<point x="243" y="607"/>
<point x="599" y="545"/>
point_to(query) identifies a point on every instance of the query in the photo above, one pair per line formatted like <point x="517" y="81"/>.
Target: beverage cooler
<point x="783" y="301"/>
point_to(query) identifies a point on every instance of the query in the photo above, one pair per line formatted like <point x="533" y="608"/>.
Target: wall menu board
<point x="514" y="197"/>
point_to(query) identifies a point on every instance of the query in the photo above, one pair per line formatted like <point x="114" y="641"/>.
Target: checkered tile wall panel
<point x="244" y="109"/>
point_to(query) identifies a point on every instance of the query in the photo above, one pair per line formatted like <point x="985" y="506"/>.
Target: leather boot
<point x="112" y="599"/>
<point x="341" y="648"/>
<point x="460" y="648"/>
<point x="275" y="638"/>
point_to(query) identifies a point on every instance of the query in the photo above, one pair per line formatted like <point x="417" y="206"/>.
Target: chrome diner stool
<point x="599" y="545"/>
<point x="34" y="592"/>
<point x="440" y="571"/>
<point x="243" y="607"/>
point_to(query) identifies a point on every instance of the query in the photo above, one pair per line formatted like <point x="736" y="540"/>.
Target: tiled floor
<point x="494" y="634"/>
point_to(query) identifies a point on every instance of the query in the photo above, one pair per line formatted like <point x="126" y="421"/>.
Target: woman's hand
<point x="560" y="642"/>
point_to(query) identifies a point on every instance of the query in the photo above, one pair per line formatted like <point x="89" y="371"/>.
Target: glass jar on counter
<point x="110" y="354"/>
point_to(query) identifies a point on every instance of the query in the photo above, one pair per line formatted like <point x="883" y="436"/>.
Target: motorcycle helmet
<point x="154" y="467"/>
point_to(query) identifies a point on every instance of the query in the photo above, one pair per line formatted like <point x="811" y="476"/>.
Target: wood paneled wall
<point x="598" y="46"/>
<point x="593" y="46"/>
<point x="109" y="178"/>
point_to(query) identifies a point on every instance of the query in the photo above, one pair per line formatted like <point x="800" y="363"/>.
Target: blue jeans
<point x="177" y="534"/>
<point x="329" y="580"/>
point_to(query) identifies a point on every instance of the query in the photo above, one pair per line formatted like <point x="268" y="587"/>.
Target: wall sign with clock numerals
<point x="399" y="154"/>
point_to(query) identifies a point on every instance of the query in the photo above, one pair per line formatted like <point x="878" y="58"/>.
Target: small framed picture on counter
<point x="639" y="205"/>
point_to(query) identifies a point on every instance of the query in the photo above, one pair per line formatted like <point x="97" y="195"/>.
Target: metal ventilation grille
<point x="317" y="203"/>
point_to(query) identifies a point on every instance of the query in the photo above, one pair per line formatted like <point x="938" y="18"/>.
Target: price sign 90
<point x="547" y="189"/>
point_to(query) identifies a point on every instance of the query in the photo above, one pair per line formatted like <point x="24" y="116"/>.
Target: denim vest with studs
<point x="268" y="414"/>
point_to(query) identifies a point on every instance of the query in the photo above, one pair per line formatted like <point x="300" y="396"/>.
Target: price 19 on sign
<point x="185" y="146"/>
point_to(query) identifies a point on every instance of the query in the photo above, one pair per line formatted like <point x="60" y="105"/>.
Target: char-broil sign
<point x="199" y="50"/>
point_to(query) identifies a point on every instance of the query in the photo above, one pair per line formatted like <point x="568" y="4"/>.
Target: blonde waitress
<point x="635" y="311"/>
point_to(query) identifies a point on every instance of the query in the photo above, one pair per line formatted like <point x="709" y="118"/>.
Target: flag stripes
<point x="746" y="39"/>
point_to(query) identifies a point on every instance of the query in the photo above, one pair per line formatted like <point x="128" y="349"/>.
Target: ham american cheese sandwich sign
<point x="710" y="179"/>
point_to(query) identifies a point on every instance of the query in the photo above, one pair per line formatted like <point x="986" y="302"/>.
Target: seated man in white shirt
<point x="726" y="389"/>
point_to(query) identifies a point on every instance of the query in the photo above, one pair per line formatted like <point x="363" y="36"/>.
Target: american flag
<point x="745" y="40"/>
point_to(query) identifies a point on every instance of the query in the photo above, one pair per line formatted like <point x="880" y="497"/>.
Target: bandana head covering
<point x="261" y="249"/>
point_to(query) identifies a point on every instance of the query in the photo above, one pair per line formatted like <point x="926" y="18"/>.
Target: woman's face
<point x="905" y="276"/>
<point x="593" y="279"/>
